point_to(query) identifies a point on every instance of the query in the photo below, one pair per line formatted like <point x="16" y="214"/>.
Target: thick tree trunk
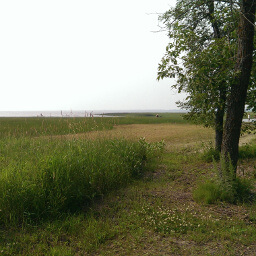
<point x="219" y="119"/>
<point x="218" y="131"/>
<point x="236" y="100"/>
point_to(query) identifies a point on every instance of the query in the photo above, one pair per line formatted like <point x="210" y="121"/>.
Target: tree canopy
<point x="201" y="56"/>
<point x="210" y="55"/>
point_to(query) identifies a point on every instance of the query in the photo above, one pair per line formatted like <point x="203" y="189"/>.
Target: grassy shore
<point x="143" y="199"/>
<point x="41" y="126"/>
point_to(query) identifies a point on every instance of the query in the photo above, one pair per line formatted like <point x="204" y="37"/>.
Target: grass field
<point x="94" y="187"/>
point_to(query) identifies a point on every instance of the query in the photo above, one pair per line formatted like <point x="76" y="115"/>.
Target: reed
<point x="34" y="127"/>
<point x="44" y="178"/>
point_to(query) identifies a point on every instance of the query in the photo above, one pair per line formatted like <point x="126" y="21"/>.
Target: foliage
<point x="211" y="53"/>
<point x="248" y="128"/>
<point x="251" y="96"/>
<point x="200" y="55"/>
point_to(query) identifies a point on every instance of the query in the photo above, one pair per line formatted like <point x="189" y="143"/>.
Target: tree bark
<point x="219" y="115"/>
<point x="237" y="97"/>
<point x="214" y="22"/>
<point x="218" y="130"/>
<point x="219" y="119"/>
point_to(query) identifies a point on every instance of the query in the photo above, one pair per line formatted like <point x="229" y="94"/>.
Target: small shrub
<point x="225" y="187"/>
<point x="212" y="191"/>
<point x="243" y="190"/>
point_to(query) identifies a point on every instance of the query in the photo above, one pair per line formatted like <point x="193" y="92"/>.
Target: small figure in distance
<point x="157" y="115"/>
<point x="249" y="117"/>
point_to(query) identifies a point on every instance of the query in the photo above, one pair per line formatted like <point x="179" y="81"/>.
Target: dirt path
<point x="171" y="188"/>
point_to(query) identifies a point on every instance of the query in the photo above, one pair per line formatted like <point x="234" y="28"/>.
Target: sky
<point x="83" y="55"/>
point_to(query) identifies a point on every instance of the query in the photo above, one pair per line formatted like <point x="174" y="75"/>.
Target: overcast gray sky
<point x="81" y="54"/>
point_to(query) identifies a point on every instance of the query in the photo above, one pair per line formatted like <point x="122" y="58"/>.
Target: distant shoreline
<point x="79" y="113"/>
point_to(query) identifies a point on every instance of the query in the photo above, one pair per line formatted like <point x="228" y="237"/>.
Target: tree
<point x="196" y="29"/>
<point x="201" y="53"/>
<point x="238" y="93"/>
<point x="251" y="93"/>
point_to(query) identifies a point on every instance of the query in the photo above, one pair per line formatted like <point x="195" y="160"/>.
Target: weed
<point x="166" y="220"/>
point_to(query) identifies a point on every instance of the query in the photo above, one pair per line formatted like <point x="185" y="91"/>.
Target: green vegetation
<point x="232" y="191"/>
<point x="206" y="39"/>
<point x="73" y="195"/>
<point x="33" y="127"/>
<point x="149" y="118"/>
<point x="43" y="177"/>
<point x="247" y="151"/>
<point x="50" y="178"/>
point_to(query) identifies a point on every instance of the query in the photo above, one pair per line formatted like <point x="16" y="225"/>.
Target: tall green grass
<point x="44" y="179"/>
<point x="43" y="176"/>
<point x="34" y="127"/>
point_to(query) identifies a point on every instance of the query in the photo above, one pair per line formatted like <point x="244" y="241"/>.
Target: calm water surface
<point x="49" y="113"/>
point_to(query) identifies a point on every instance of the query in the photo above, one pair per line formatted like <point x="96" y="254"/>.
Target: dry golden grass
<point x="174" y="135"/>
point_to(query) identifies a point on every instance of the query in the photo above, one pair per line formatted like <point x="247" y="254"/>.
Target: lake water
<point x="49" y="113"/>
<point x="77" y="113"/>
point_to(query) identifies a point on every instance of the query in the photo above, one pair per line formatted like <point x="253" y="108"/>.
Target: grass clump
<point x="208" y="192"/>
<point x="213" y="191"/>
<point x="67" y="176"/>
<point x="247" y="151"/>
<point x="224" y="187"/>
